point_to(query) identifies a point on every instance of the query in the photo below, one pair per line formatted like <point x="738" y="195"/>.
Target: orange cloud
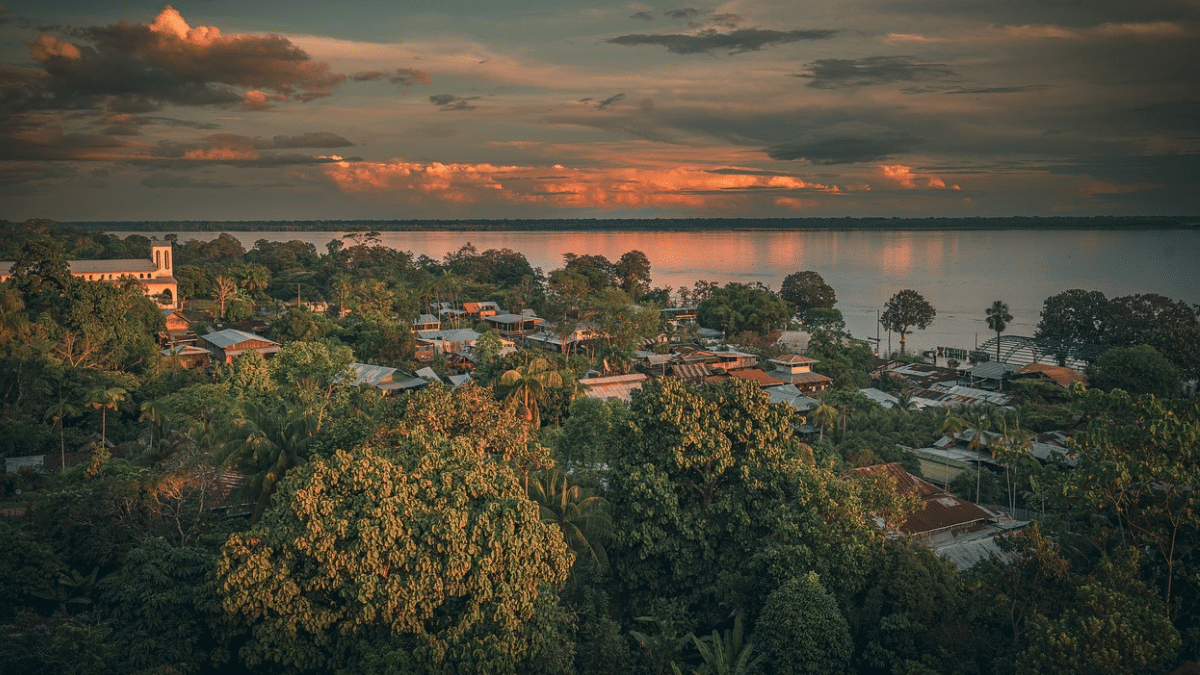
<point x="905" y="176"/>
<point x="220" y="154"/>
<point x="566" y="187"/>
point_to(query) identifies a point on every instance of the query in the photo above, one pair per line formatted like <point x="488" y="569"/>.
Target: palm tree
<point x="105" y="400"/>
<point x="525" y="387"/>
<point x="581" y="516"/>
<point x="825" y="416"/>
<point x="981" y="422"/>
<point x="224" y="290"/>
<point x="997" y="319"/>
<point x="153" y="412"/>
<point x="58" y="412"/>
<point x="725" y="654"/>
<point x="269" y="440"/>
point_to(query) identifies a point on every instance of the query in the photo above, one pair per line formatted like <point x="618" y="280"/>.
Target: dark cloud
<point x="872" y="70"/>
<point x="615" y="98"/>
<point x="733" y="42"/>
<point x="998" y="90"/>
<point x="405" y="77"/>
<point x="749" y="172"/>
<point x="845" y="150"/>
<point x="644" y="16"/>
<point x="172" y="180"/>
<point x="682" y="13"/>
<point x="138" y="68"/>
<point x="451" y="102"/>
<point x="316" y="139"/>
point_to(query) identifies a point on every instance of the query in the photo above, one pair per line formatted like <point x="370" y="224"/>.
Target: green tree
<point x="998" y="317"/>
<point x="905" y="310"/>
<point x="802" y="630"/>
<point x="715" y="500"/>
<point x="105" y="399"/>
<point x="59" y="412"/>
<point x="581" y="516"/>
<point x="1138" y="370"/>
<point x="825" y="416"/>
<point x="523" y="388"/>
<point x="1137" y="464"/>
<point x="267" y="442"/>
<point x="1115" y="626"/>
<point x="432" y="549"/>
<point x="633" y="273"/>
<point x="806" y="291"/>
<point x="1074" y="318"/>
<point x="741" y="307"/>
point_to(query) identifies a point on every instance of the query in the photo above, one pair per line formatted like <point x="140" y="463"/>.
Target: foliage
<point x="1115" y="626"/>
<point x="523" y="388"/>
<point x="741" y="307"/>
<point x="801" y="630"/>
<point x="806" y="291"/>
<point x="1138" y="370"/>
<point x="1137" y="464"/>
<point x="713" y="495"/>
<point x="633" y="273"/>
<point x="905" y="310"/>
<point x="438" y="552"/>
<point x="998" y="317"/>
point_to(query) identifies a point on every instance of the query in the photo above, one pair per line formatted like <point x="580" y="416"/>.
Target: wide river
<point x="960" y="272"/>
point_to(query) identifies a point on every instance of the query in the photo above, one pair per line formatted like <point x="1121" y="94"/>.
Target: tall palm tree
<point x="981" y="421"/>
<point x="825" y="416"/>
<point x="526" y="386"/>
<point x="58" y="412"/>
<point x="153" y="413"/>
<point x="581" y="516"/>
<point x="997" y="319"/>
<point x="105" y="400"/>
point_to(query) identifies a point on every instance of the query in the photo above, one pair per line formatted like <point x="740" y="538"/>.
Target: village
<point x="217" y="399"/>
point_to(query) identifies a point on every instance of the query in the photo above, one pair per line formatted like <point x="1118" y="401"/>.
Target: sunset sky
<point x="124" y="110"/>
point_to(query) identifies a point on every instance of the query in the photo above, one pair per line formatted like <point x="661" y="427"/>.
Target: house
<point x="1060" y="375"/>
<point x="756" y="376"/>
<point x="616" y="386"/>
<point x="991" y="374"/>
<point x="227" y="344"/>
<point x="385" y="379"/>
<point x="789" y="394"/>
<point x="680" y="315"/>
<point x="513" y="325"/>
<point x="426" y="322"/>
<point x="177" y="323"/>
<point x="155" y="273"/>
<point x="448" y="341"/>
<point x="188" y="356"/>
<point x="479" y="310"/>
<point x="797" y="370"/>
<point x="954" y="528"/>
<point x="920" y="375"/>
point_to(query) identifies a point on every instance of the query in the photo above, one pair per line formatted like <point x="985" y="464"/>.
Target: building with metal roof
<point x="225" y="345"/>
<point x="615" y="386"/>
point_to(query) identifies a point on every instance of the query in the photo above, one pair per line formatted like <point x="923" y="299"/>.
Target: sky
<point x="464" y="109"/>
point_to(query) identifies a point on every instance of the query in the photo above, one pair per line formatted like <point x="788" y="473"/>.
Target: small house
<point x="225" y="345"/>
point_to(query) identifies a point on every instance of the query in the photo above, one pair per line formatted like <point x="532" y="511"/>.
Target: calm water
<point x="959" y="272"/>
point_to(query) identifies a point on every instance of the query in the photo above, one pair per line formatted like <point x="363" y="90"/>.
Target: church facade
<point x="156" y="273"/>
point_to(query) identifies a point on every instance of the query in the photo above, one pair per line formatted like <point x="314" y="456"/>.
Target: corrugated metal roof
<point x="365" y="373"/>
<point x="428" y="374"/>
<point x="464" y="335"/>
<point x="993" y="370"/>
<point x="756" y="375"/>
<point x="690" y="371"/>
<point x="616" y="386"/>
<point x="231" y="336"/>
<point x="905" y="482"/>
<point x="793" y="360"/>
<point x="788" y="394"/>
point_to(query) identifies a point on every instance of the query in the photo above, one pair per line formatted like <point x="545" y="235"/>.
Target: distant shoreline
<point x="654" y="224"/>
